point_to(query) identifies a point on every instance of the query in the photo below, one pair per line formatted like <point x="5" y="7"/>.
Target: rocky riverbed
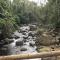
<point x="23" y="41"/>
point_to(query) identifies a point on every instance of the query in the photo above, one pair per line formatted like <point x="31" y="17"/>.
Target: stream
<point x="24" y="42"/>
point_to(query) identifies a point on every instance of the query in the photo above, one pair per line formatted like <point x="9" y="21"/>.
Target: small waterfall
<point x="26" y="36"/>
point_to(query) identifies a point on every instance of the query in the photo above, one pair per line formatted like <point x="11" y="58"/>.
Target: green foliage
<point x="24" y="12"/>
<point x="50" y="13"/>
<point x="7" y="21"/>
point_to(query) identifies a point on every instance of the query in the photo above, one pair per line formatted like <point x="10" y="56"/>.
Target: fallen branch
<point x="31" y="55"/>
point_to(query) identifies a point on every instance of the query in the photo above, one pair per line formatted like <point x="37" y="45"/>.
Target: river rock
<point x="23" y="49"/>
<point x="14" y="36"/>
<point x="3" y="51"/>
<point x="25" y="37"/>
<point x="24" y="33"/>
<point x="21" y="31"/>
<point x="31" y="34"/>
<point x="45" y="39"/>
<point x="24" y="29"/>
<point x="19" y="43"/>
<point x="5" y="46"/>
<point x="1" y="44"/>
<point x="33" y="27"/>
<point x="25" y="40"/>
<point x="8" y="41"/>
<point x="32" y="44"/>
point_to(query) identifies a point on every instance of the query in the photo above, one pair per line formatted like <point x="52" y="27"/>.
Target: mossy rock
<point x="45" y="39"/>
<point x="8" y="41"/>
<point x="33" y="27"/>
<point x="19" y="43"/>
<point x="23" y="49"/>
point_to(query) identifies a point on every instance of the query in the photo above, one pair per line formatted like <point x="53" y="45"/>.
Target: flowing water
<point x="28" y="42"/>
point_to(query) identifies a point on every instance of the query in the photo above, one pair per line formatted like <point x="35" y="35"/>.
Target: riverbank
<point x="23" y="41"/>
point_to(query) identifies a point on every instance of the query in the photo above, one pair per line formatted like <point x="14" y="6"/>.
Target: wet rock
<point x="5" y="46"/>
<point x="14" y="36"/>
<point x="50" y="58"/>
<point x="57" y="41"/>
<point x="25" y="44"/>
<point x="33" y="27"/>
<point x="19" y="43"/>
<point x="23" y="49"/>
<point x="32" y="44"/>
<point x="34" y="38"/>
<point x="19" y="31"/>
<point x="30" y="37"/>
<point x="24" y="29"/>
<point x="8" y="41"/>
<point x="3" y="51"/>
<point x="25" y="40"/>
<point x="31" y="34"/>
<point x="45" y="39"/>
<point x="25" y="37"/>
<point x="1" y="44"/>
<point x="24" y="33"/>
<point x="1" y="36"/>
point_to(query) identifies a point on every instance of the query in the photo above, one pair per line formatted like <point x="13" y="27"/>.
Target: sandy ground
<point x="48" y="49"/>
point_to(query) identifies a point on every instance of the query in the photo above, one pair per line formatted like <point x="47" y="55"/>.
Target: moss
<point x="44" y="49"/>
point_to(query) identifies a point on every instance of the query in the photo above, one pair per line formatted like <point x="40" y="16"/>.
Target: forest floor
<point x="49" y="39"/>
<point x="49" y="48"/>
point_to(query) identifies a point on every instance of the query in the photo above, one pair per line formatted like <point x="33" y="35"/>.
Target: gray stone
<point x="32" y="44"/>
<point x="25" y="40"/>
<point x="8" y="41"/>
<point x="1" y="44"/>
<point x="31" y="34"/>
<point x="23" y="49"/>
<point x="33" y="27"/>
<point x="19" y="43"/>
<point x="14" y="36"/>
<point x="25" y="37"/>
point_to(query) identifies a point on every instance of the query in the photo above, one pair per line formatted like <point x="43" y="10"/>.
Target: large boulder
<point x="45" y="39"/>
<point x="23" y="49"/>
<point x="19" y="43"/>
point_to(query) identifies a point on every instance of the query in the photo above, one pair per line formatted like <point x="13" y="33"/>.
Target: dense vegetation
<point x="12" y="14"/>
